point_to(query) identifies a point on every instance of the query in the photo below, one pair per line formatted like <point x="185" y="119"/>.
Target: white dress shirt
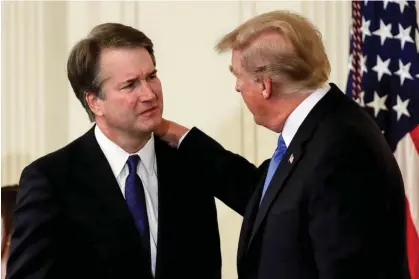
<point x="146" y="169"/>
<point x="296" y="118"/>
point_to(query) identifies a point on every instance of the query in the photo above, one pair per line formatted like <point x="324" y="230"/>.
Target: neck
<point x="282" y="107"/>
<point x="130" y="142"/>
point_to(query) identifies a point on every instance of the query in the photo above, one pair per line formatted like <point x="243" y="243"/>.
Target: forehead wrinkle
<point x="110" y="67"/>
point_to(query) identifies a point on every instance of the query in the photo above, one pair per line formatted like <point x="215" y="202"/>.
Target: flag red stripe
<point x="412" y="245"/>
<point x="415" y="137"/>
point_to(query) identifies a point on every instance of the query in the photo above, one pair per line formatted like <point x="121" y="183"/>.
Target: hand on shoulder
<point x="170" y="132"/>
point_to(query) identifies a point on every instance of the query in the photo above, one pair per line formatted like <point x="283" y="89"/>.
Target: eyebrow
<point x="153" y="72"/>
<point x="232" y="70"/>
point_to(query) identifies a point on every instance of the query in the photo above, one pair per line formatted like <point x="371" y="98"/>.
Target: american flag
<point x="384" y="79"/>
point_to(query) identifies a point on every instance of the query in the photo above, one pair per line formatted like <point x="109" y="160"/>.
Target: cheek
<point x="248" y="99"/>
<point x="155" y="85"/>
<point x="252" y="97"/>
<point x="247" y="90"/>
<point x="121" y="105"/>
<point x="126" y="100"/>
<point x="130" y="102"/>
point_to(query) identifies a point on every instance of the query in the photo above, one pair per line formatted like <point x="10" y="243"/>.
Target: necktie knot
<point x="281" y="148"/>
<point x="132" y="163"/>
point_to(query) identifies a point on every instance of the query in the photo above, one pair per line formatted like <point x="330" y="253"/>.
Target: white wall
<point x="41" y="114"/>
<point x="33" y="84"/>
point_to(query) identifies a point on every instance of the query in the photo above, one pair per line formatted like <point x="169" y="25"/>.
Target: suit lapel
<point x="248" y="220"/>
<point x="293" y="155"/>
<point x="109" y="207"/>
<point x="278" y="180"/>
<point x="166" y="198"/>
<point x="95" y="168"/>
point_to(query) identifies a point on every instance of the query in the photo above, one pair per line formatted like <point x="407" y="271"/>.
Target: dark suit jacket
<point x="71" y="220"/>
<point x="336" y="210"/>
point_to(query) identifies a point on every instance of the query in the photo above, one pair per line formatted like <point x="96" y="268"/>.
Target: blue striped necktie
<point x="135" y="198"/>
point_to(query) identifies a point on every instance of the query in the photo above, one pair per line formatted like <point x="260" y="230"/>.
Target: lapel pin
<point x="291" y="158"/>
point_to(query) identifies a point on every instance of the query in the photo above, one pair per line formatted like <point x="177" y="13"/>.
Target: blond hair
<point x="302" y="58"/>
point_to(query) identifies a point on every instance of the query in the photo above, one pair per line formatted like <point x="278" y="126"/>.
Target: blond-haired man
<point x="329" y="204"/>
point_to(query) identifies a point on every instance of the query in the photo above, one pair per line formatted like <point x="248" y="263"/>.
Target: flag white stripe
<point x="408" y="160"/>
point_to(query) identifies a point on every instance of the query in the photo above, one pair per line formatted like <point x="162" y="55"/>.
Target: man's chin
<point x="156" y="122"/>
<point x="149" y="125"/>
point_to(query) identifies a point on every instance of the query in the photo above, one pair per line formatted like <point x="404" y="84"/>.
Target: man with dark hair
<point x="116" y="202"/>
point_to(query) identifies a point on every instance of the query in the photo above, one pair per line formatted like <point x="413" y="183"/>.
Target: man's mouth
<point x="149" y="110"/>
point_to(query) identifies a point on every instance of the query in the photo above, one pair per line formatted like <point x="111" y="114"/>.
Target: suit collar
<point x="296" y="118"/>
<point x="293" y="155"/>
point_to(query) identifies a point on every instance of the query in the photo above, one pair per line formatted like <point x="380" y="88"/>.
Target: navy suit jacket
<point x="72" y="221"/>
<point x="336" y="210"/>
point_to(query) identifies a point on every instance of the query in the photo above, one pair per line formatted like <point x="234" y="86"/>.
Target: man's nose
<point x="237" y="88"/>
<point x="146" y="93"/>
<point x="237" y="85"/>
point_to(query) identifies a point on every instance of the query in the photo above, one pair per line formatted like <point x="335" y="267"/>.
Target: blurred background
<point x="39" y="112"/>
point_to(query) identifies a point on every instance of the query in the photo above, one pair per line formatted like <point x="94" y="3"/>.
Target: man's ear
<point x="94" y="103"/>
<point x="266" y="87"/>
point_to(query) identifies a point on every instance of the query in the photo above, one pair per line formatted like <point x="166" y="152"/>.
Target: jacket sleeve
<point x="232" y="178"/>
<point x="32" y="250"/>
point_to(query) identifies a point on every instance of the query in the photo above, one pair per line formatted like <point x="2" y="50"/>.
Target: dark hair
<point x="82" y="63"/>
<point x="8" y="201"/>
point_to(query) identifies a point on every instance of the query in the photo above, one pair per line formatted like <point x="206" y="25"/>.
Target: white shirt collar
<point x="296" y="118"/>
<point x="117" y="157"/>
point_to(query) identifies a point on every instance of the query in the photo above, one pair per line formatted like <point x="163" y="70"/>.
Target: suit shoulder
<point x="348" y="128"/>
<point x="348" y="120"/>
<point x="58" y="159"/>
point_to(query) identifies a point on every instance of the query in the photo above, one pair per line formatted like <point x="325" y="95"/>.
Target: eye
<point x="150" y="77"/>
<point x="129" y="85"/>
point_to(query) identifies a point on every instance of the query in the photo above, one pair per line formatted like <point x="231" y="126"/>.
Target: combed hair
<point x="301" y="59"/>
